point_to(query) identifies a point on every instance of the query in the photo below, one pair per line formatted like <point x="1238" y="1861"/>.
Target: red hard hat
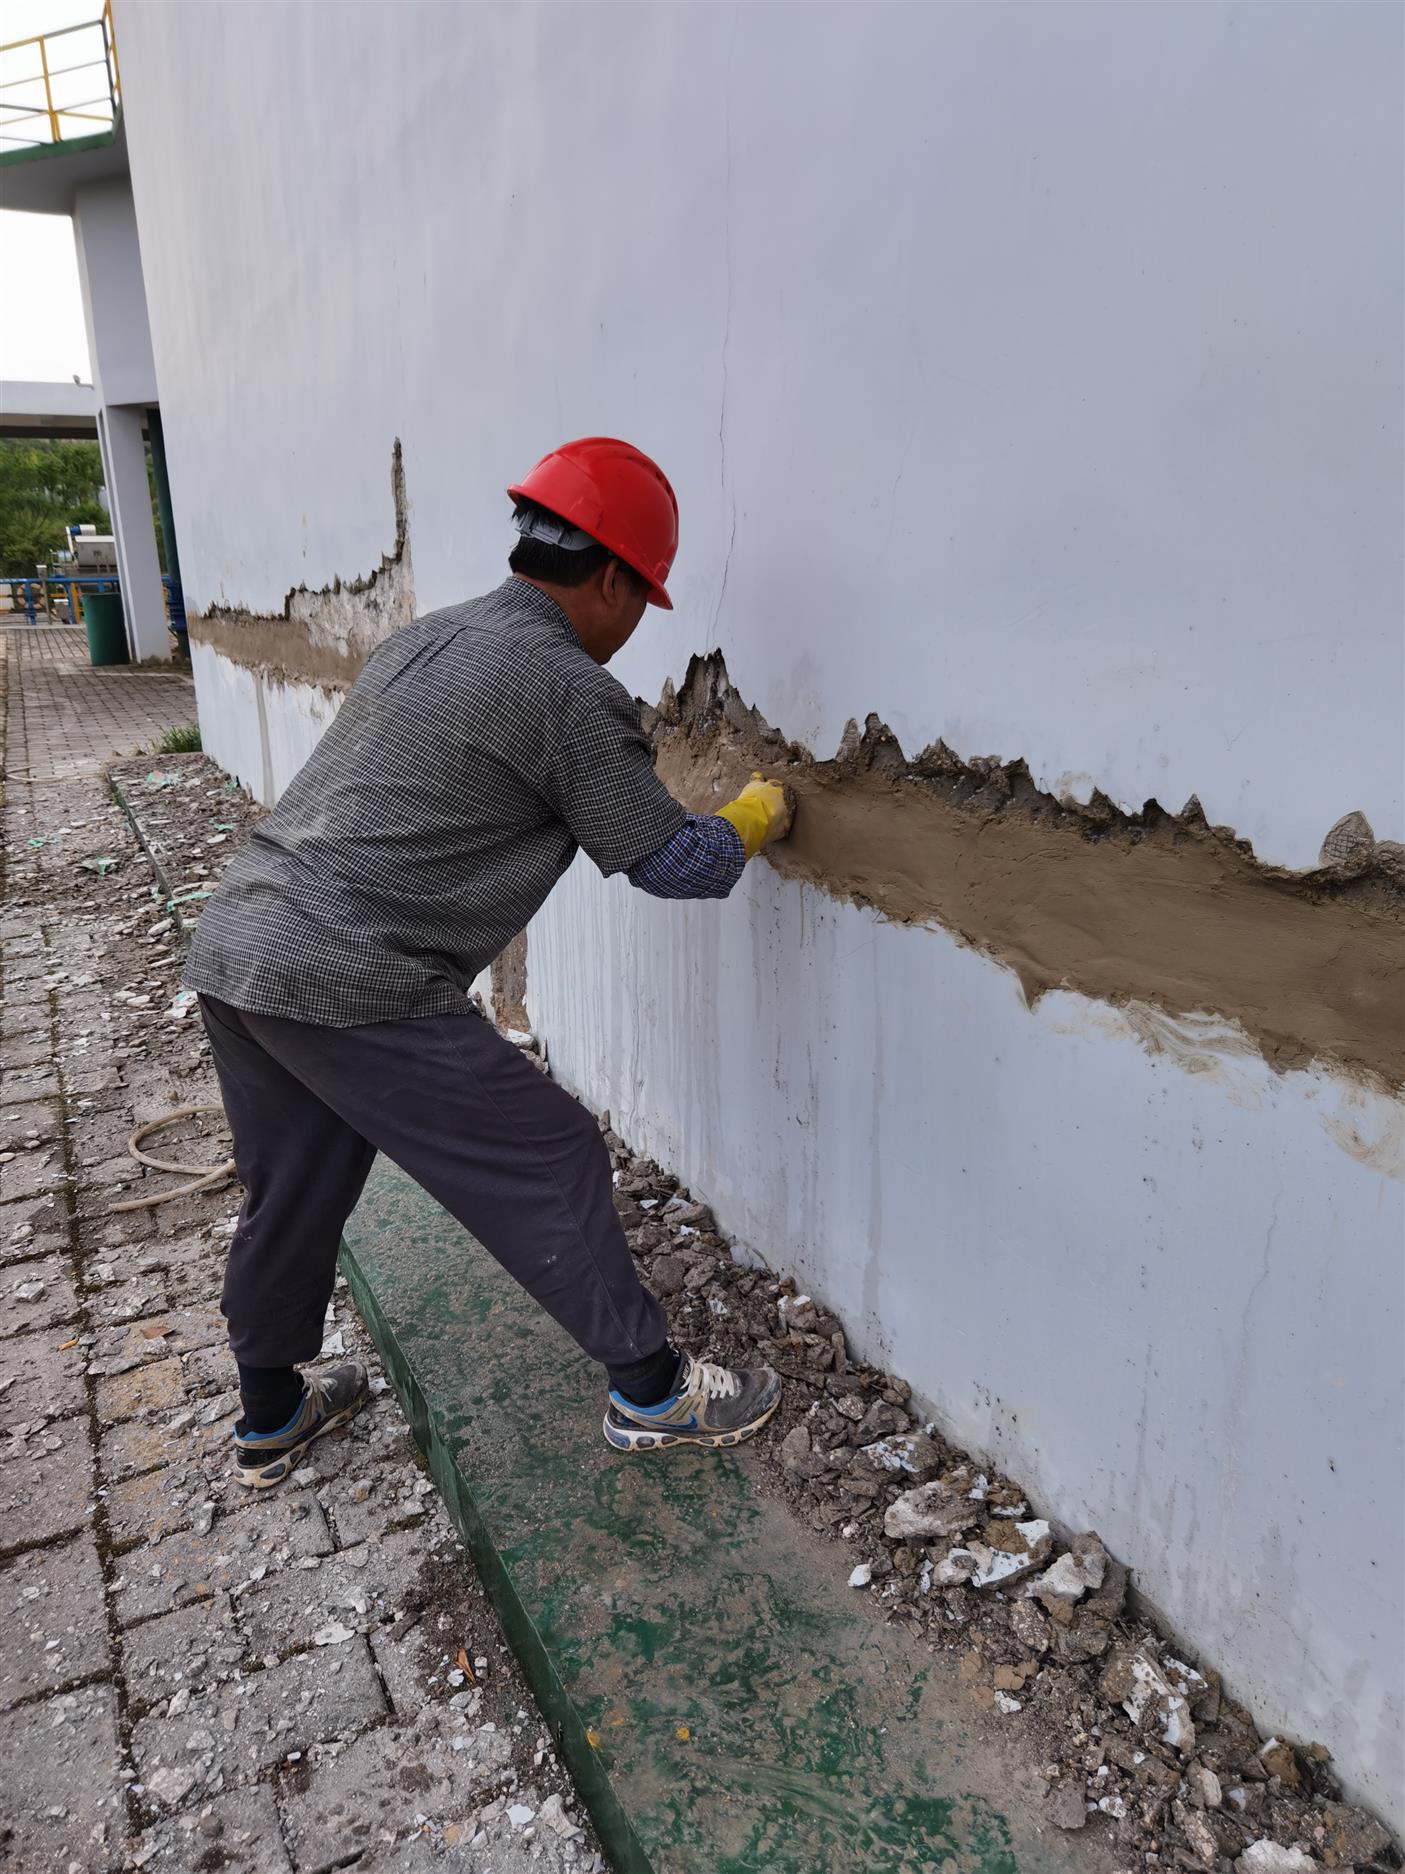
<point x="618" y="496"/>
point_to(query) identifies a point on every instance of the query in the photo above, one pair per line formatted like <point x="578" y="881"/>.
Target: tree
<point x="45" y="488"/>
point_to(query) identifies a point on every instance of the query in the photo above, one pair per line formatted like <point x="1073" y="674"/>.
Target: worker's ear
<point x="618" y="583"/>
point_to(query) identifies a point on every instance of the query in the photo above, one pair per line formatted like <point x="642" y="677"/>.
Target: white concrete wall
<point x="1031" y="376"/>
<point x="259" y="730"/>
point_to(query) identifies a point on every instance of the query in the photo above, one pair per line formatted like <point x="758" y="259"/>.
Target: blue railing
<point x="73" y="585"/>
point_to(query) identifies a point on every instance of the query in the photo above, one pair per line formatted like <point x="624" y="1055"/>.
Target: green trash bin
<point x="107" y="634"/>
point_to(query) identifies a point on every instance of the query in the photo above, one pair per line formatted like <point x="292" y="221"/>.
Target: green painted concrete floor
<point x="725" y="1702"/>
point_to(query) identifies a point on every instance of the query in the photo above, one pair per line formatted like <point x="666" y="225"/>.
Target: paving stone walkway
<point x="192" y="1677"/>
<point x="68" y="719"/>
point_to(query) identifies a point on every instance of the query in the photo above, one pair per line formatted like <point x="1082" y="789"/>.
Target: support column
<point x="124" y="377"/>
<point x="129" y="501"/>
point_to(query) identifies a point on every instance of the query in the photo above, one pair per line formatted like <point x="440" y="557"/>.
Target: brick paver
<point x="186" y="1667"/>
<point x="69" y="719"/>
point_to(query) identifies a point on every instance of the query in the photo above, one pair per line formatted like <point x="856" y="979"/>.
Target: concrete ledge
<point x="723" y="1701"/>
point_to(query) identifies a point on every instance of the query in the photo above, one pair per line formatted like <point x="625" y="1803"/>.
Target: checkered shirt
<point x="480" y="747"/>
<point x="702" y="860"/>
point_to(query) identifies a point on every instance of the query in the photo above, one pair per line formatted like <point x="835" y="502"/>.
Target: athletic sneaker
<point x="713" y="1406"/>
<point x="330" y="1397"/>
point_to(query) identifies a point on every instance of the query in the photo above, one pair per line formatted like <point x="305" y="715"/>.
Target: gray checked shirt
<point x="478" y="749"/>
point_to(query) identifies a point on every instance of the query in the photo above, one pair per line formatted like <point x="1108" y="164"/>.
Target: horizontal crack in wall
<point x="322" y="637"/>
<point x="1150" y="907"/>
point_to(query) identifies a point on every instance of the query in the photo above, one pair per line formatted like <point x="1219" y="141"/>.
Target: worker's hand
<point x="761" y="813"/>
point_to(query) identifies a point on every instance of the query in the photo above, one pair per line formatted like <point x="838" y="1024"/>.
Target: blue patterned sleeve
<point x="704" y="859"/>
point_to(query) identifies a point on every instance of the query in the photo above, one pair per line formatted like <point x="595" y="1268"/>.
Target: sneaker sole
<point x="284" y="1463"/>
<point x="625" y="1437"/>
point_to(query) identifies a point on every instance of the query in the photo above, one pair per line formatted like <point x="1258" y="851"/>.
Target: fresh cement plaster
<point x="1151" y="909"/>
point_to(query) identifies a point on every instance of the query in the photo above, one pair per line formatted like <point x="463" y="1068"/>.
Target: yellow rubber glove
<point x="761" y="813"/>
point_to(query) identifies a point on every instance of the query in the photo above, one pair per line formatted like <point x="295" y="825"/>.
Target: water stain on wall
<point x="1152" y="908"/>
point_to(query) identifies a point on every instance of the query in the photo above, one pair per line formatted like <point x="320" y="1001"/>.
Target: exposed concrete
<point x="1149" y="908"/>
<point x="509" y="978"/>
<point x="324" y="636"/>
<point x="270" y="684"/>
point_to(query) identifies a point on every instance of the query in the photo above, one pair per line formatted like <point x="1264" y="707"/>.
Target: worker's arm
<point x="600" y="779"/>
<point x="705" y="858"/>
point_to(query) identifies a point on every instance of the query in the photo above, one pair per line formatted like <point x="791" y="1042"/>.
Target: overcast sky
<point x="41" y="312"/>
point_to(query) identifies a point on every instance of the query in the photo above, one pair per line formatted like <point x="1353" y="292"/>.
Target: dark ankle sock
<point x="648" y="1382"/>
<point x="271" y="1395"/>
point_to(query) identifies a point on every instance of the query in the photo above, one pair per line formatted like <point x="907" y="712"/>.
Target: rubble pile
<point x="1126" y="1734"/>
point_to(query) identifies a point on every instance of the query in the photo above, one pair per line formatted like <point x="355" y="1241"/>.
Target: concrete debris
<point x="171" y="1785"/>
<point x="953" y="1549"/>
<point x="1204" y="1786"/>
<point x="1009" y="1556"/>
<point x="1137" y="1681"/>
<point x="935" y="1509"/>
<point x="956" y="1566"/>
<point x="1065" y="1806"/>
<point x="1270" y="1857"/>
<point x="1279" y="1760"/>
<point x="553" y="1814"/>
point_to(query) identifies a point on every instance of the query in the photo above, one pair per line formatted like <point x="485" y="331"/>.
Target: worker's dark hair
<point x="559" y="566"/>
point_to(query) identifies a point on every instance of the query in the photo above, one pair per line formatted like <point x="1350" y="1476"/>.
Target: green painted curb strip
<point x="725" y="1703"/>
<point x="617" y="1835"/>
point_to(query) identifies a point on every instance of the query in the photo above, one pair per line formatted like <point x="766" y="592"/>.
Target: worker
<point x="479" y="748"/>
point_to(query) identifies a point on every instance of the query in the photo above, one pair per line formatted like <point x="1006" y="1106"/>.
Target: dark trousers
<point x="519" y="1163"/>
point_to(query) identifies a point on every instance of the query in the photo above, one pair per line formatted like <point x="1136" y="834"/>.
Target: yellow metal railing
<point x="46" y="82"/>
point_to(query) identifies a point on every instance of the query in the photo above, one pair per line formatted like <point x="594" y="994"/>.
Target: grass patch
<point x="184" y="740"/>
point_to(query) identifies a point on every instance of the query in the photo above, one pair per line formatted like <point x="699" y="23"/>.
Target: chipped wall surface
<point x="268" y="686"/>
<point x="1030" y="379"/>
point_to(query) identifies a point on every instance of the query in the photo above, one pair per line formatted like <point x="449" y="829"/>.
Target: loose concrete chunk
<point x="1066" y="1806"/>
<point x="930" y="1510"/>
<point x="1065" y="1581"/>
<point x="1004" y="1566"/>
<point x="1138" y="1683"/>
<point x="911" y="1454"/>
<point x="1204" y="1786"/>
<point x="1271" y="1857"/>
<point x="956" y="1566"/>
